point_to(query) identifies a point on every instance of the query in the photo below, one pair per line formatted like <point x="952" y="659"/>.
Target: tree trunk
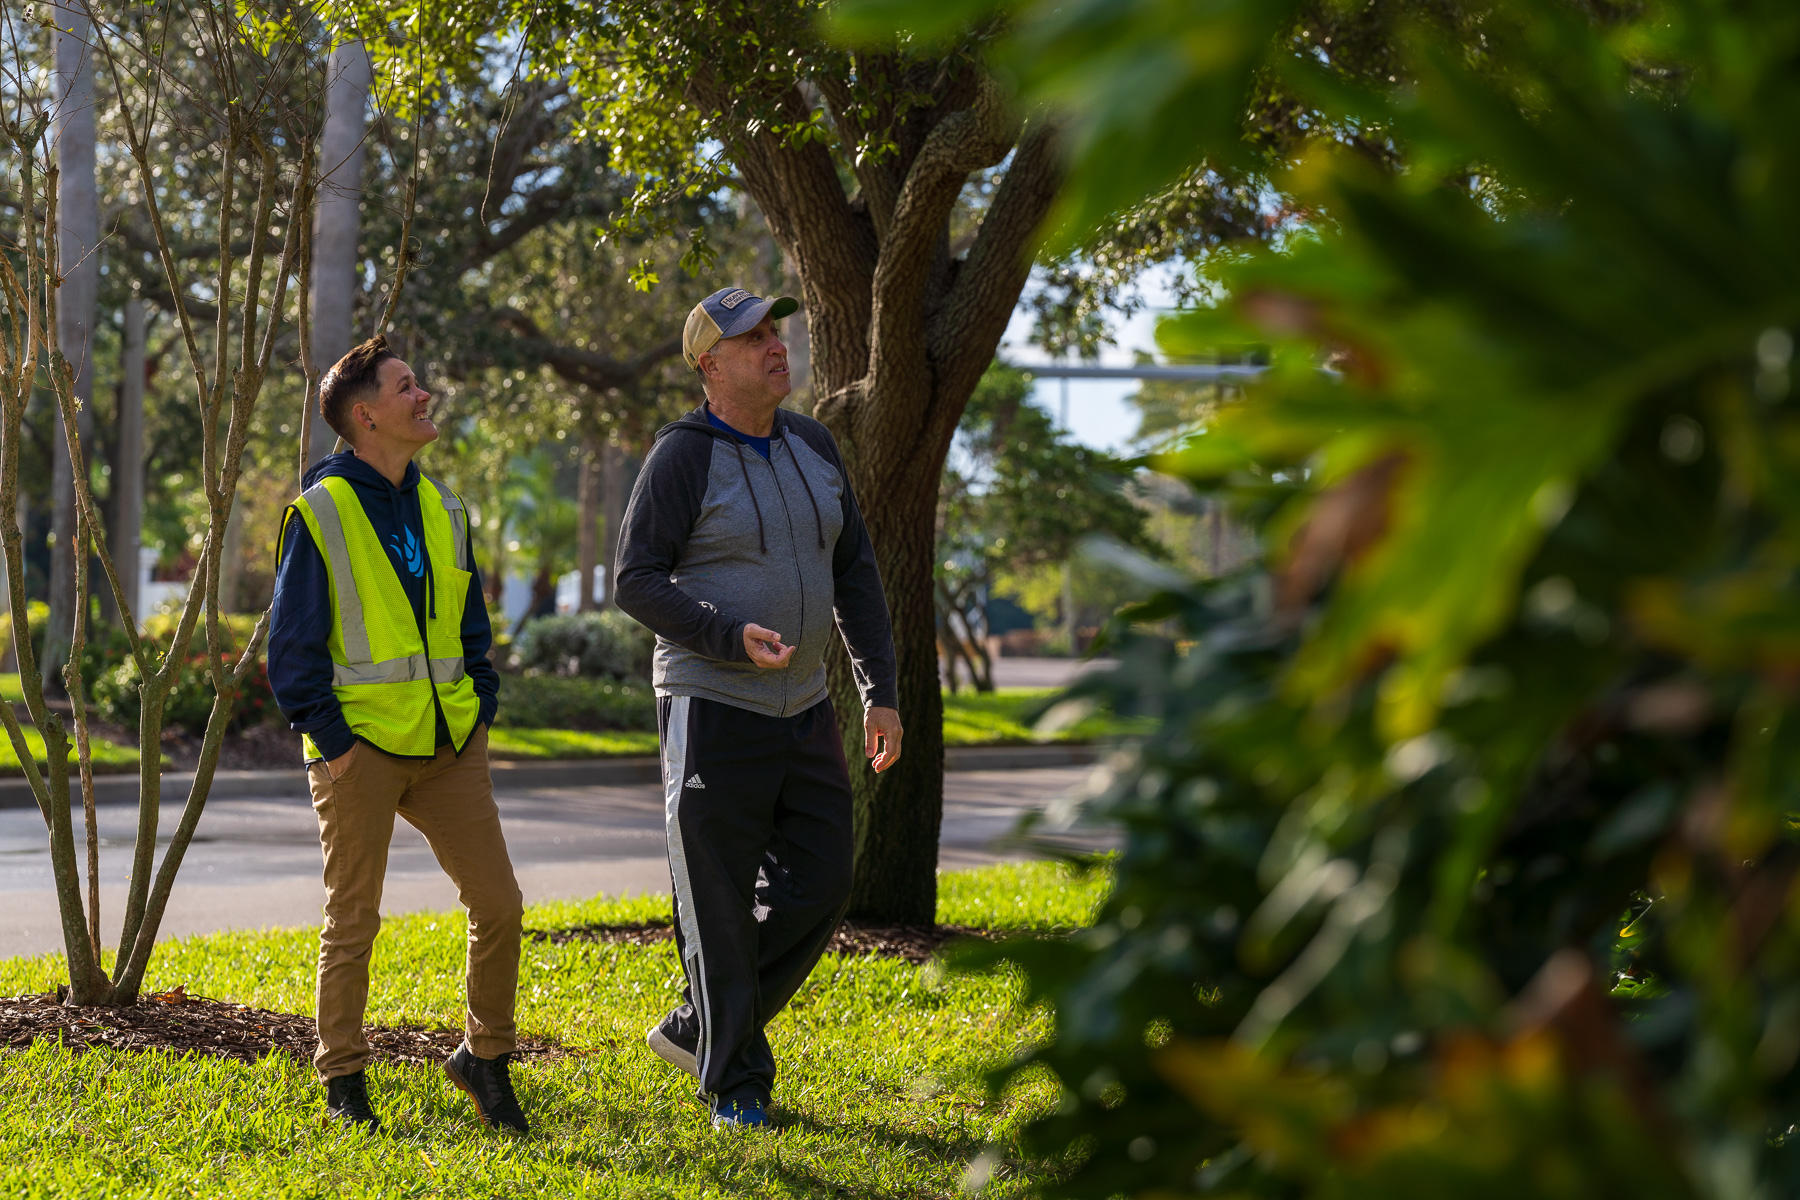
<point x="128" y="480"/>
<point x="587" y="508"/>
<point x="615" y="478"/>
<point x="900" y="331"/>
<point x="230" y="560"/>
<point x="799" y="343"/>
<point x="1068" y="609"/>
<point x="78" y="233"/>
<point x="899" y="812"/>
<point x="337" y="219"/>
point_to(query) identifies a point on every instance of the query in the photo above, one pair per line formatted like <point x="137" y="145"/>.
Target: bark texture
<point x="128" y="483"/>
<point x="616" y="478"/>
<point x="337" y="219"/>
<point x="587" y="509"/>
<point x="900" y="332"/>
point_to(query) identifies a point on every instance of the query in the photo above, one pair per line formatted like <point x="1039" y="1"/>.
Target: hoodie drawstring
<point x="818" y="520"/>
<point x="761" y="541"/>
<point x="430" y="583"/>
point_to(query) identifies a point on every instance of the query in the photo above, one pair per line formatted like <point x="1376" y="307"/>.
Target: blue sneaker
<point x="741" y="1114"/>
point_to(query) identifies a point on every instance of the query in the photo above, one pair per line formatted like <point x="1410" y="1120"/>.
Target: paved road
<point x="1044" y="672"/>
<point x="255" y="863"/>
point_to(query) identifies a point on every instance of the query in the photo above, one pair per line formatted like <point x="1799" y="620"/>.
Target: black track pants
<point x="758" y="818"/>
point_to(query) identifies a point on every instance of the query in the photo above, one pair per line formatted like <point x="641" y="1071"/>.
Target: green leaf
<point x="879" y="21"/>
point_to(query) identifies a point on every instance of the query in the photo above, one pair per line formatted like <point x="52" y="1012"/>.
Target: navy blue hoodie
<point x="300" y="621"/>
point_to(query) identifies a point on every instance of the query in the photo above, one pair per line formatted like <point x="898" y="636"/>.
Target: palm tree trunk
<point x="337" y="221"/>
<point x="128" y="482"/>
<point x="587" y="506"/>
<point x="615" y="482"/>
<point x="78" y="230"/>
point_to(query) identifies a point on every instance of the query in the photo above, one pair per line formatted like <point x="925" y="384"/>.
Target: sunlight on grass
<point x="108" y="757"/>
<point x="882" y="1090"/>
<point x="508" y="743"/>
<point x="1008" y="714"/>
<point x="1024" y="896"/>
<point x="1002" y="717"/>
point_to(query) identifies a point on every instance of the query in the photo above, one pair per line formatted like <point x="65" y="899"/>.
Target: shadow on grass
<point x="957" y="1148"/>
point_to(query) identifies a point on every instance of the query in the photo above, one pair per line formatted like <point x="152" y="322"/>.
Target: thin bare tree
<point x="250" y="71"/>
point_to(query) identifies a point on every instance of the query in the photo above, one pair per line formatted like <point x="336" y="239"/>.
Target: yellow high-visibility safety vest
<point x="382" y="674"/>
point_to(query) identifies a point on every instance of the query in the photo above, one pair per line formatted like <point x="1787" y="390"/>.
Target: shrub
<point x="547" y="701"/>
<point x="106" y="648"/>
<point x="115" y="694"/>
<point x="1464" y="860"/>
<point x="602" y="643"/>
<point x="39" y="613"/>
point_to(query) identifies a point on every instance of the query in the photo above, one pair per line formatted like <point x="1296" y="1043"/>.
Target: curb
<point x="512" y="775"/>
<point x="1018" y="758"/>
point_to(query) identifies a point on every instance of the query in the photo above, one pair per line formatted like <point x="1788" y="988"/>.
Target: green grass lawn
<point x="108" y="757"/>
<point x="881" y="1091"/>
<point x="1001" y="717"/>
<point x="1008" y="715"/>
<point x="510" y="743"/>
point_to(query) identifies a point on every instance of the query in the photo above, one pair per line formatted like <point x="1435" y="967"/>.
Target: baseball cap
<point x="727" y="313"/>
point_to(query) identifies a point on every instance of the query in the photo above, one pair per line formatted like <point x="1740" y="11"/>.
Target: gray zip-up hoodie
<point x="716" y="538"/>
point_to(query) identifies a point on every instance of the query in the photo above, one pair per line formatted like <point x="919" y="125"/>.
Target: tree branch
<point x="967" y="140"/>
<point x="583" y="367"/>
<point x="962" y="334"/>
<point x="878" y="180"/>
<point x="155" y="289"/>
<point x="540" y="209"/>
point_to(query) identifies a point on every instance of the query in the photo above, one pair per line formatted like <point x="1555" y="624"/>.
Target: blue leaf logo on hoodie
<point x="409" y="553"/>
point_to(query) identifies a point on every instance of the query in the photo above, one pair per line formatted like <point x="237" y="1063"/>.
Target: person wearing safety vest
<point x="378" y="654"/>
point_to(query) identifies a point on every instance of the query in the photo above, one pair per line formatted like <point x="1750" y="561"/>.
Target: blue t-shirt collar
<point x="758" y="444"/>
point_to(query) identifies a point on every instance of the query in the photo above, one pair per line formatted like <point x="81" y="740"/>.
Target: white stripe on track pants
<point x="758" y="815"/>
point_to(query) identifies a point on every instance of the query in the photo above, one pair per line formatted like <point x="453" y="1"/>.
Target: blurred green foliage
<point x="1463" y="860"/>
<point x="115" y="683"/>
<point x="607" y="642"/>
<point x="1018" y="496"/>
<point x="580" y="702"/>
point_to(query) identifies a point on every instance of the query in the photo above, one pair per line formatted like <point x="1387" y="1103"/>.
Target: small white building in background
<point x="154" y="594"/>
<point x="515" y="596"/>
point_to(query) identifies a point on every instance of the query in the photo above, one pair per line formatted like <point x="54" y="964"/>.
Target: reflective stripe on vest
<point x="398" y="670"/>
<point x="362" y="668"/>
<point x="459" y="524"/>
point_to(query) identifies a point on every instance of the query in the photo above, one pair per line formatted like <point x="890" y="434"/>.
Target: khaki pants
<point x="451" y="801"/>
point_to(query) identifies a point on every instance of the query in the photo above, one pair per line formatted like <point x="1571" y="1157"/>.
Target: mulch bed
<point x="195" y="1025"/>
<point x="191" y="1024"/>
<point x="256" y="748"/>
<point x="914" y="943"/>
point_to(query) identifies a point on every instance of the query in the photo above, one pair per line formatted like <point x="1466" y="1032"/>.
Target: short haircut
<point x="351" y="379"/>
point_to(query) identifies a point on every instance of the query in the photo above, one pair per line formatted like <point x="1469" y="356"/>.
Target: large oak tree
<point x="859" y="160"/>
<point x="907" y="191"/>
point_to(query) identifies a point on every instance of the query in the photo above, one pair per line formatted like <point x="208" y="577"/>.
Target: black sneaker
<point x="347" y="1102"/>
<point x="488" y="1081"/>
<point x="671" y="1045"/>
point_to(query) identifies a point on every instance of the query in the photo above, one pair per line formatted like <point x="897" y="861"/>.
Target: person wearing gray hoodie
<point x="744" y="551"/>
